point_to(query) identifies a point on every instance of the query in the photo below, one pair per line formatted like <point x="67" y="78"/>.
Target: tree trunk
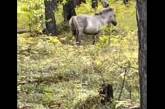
<point x="125" y="2"/>
<point x="142" y="36"/>
<point x="49" y="16"/>
<point x="68" y="10"/>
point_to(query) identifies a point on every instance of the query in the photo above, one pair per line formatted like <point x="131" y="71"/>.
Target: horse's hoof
<point x="78" y="43"/>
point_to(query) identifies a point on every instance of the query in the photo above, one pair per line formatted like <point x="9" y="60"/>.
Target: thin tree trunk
<point x="49" y="16"/>
<point x="125" y="2"/>
<point x="94" y="5"/>
<point x="130" y="93"/>
<point x="142" y="36"/>
<point x="68" y="10"/>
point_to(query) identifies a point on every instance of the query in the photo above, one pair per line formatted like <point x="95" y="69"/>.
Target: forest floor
<point x="54" y="73"/>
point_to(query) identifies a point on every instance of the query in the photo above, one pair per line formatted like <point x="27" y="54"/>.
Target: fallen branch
<point x="21" y="31"/>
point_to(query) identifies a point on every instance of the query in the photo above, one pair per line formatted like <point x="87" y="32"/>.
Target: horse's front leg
<point x="95" y="37"/>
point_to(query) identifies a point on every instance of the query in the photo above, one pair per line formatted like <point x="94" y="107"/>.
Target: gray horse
<point x="91" y="25"/>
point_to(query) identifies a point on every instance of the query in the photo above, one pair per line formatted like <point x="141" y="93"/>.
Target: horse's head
<point x="109" y="15"/>
<point x="105" y="3"/>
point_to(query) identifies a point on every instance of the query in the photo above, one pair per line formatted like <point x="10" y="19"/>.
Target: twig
<point x="109" y="34"/>
<point x="123" y="83"/>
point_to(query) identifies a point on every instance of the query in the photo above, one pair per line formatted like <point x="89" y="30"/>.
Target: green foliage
<point x="103" y="41"/>
<point x="31" y="14"/>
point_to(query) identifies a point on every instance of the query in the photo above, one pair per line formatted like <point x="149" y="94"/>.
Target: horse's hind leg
<point x="78" y="42"/>
<point x="78" y="38"/>
<point x="94" y="39"/>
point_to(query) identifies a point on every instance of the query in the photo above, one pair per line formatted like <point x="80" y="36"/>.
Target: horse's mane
<point x="104" y="11"/>
<point x="107" y="9"/>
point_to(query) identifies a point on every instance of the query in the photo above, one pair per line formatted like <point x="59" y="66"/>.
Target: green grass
<point x="54" y="73"/>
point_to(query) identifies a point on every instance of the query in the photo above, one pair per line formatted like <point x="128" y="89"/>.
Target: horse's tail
<point x="72" y="25"/>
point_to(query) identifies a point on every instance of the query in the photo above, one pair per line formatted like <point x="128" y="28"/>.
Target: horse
<point x="91" y="25"/>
